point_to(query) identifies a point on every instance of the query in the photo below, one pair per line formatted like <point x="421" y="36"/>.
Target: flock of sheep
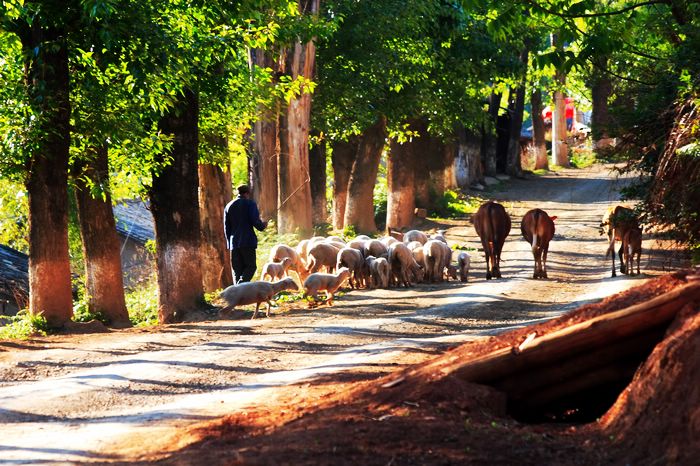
<point x="404" y="259"/>
<point x="326" y="263"/>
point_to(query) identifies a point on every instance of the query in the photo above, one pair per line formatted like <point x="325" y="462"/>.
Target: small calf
<point x="330" y="283"/>
<point x="255" y="293"/>
<point x="632" y="246"/>
<point x="276" y="270"/>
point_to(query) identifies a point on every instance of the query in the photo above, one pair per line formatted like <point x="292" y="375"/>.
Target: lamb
<point x="463" y="262"/>
<point x="320" y="255"/>
<point x="327" y="282"/>
<point x="255" y="293"/>
<point x="379" y="271"/>
<point x="280" y="251"/>
<point x="276" y="270"/>
<point x="355" y="262"/>
<point x="415" y="235"/>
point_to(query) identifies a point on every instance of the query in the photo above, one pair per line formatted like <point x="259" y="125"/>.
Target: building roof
<point x="14" y="273"/>
<point x="134" y="220"/>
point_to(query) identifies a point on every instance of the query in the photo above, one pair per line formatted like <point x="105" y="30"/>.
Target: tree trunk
<point x="560" y="149"/>
<point x="600" y="119"/>
<point x="359" y="210"/>
<point x="214" y="193"/>
<point x="47" y="80"/>
<point x="317" y="168"/>
<point x="294" y="190"/>
<point x="514" y="165"/>
<point x="342" y="158"/>
<point x="264" y="151"/>
<point x="175" y="208"/>
<point x="538" y="141"/>
<point x="104" y="282"/>
<point x="489" y="139"/>
<point x="401" y="202"/>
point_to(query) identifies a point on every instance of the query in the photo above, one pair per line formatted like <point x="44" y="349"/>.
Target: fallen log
<point x="583" y="337"/>
<point x="584" y="361"/>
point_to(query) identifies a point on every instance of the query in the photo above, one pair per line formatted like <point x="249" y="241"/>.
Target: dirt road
<point x="83" y="398"/>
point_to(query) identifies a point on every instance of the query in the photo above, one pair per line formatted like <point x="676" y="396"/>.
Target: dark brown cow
<point x="492" y="224"/>
<point x="617" y="221"/>
<point x="538" y="230"/>
<point x="632" y="246"/>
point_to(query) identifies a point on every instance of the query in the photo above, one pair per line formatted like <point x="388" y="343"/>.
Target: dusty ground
<point x="130" y="394"/>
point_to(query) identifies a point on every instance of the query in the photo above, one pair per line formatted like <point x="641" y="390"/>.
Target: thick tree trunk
<point x="342" y="158"/>
<point x="401" y="202"/>
<point x="600" y="119"/>
<point x="317" y="169"/>
<point x="538" y="140"/>
<point x="264" y="151"/>
<point x="294" y="189"/>
<point x="489" y="138"/>
<point x="359" y="210"/>
<point x="104" y="282"/>
<point x="514" y="165"/>
<point x="47" y="80"/>
<point x="175" y="208"/>
<point x="503" y="136"/>
<point x="214" y="193"/>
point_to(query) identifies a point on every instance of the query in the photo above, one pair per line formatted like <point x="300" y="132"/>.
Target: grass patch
<point x="582" y="157"/>
<point x="454" y="204"/>
<point x="23" y="326"/>
<point x="142" y="303"/>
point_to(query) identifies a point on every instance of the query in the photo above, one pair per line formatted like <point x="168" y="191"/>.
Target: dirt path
<point x="82" y="398"/>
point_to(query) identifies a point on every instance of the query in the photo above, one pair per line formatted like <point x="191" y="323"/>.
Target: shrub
<point x="23" y="325"/>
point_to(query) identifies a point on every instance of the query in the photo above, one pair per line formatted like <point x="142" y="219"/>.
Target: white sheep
<point x="379" y="271"/>
<point x="276" y="270"/>
<point x="415" y="235"/>
<point x="322" y="255"/>
<point x="355" y="262"/>
<point x="375" y="248"/>
<point x="439" y="235"/>
<point x="463" y="262"/>
<point x="327" y="282"/>
<point x="255" y="293"/>
<point x="280" y="251"/>
<point x="434" y="256"/>
<point x="403" y="266"/>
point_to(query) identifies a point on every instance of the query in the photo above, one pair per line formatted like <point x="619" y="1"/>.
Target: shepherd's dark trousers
<point x="243" y="264"/>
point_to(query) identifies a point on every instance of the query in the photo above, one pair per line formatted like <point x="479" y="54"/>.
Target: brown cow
<point x="616" y="222"/>
<point x="538" y="230"/>
<point x="631" y="246"/>
<point x="492" y="224"/>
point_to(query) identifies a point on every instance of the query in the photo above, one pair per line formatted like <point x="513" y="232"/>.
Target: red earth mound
<point x="427" y="415"/>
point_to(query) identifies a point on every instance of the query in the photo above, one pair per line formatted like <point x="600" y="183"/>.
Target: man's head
<point x="244" y="190"/>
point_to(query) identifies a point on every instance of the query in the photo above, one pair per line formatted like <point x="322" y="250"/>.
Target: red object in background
<point x="568" y="112"/>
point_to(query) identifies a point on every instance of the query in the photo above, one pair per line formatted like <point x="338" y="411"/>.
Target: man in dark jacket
<point x="240" y="216"/>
